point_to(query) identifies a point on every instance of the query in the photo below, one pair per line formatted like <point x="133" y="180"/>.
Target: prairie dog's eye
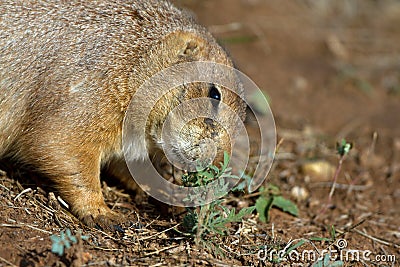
<point x="214" y="93"/>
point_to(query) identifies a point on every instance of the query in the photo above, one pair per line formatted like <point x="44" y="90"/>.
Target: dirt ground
<point x="331" y="70"/>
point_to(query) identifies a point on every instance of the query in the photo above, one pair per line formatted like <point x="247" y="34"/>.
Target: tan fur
<point x="68" y="70"/>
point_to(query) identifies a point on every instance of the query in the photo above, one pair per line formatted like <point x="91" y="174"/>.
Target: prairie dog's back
<point x="59" y="53"/>
<point x="62" y="40"/>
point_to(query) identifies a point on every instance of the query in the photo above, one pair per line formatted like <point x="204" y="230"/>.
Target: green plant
<point x="343" y="149"/>
<point x="222" y="177"/>
<point x="333" y="233"/>
<point x="64" y="241"/>
<point x="213" y="218"/>
<point x="204" y="176"/>
<point x="271" y="197"/>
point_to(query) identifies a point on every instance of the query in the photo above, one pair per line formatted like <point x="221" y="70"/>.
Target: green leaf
<point x="57" y="249"/>
<point x="333" y="232"/>
<point x="208" y="175"/>
<point x="72" y="238"/>
<point x="67" y="244"/>
<point x="55" y="239"/>
<point x="57" y="245"/>
<point x="214" y="168"/>
<point x="229" y="175"/>
<point x="327" y="259"/>
<point x="246" y="211"/>
<point x="298" y="244"/>
<point x="272" y="190"/>
<point x="224" y="165"/>
<point x="344" y="147"/>
<point x="263" y="205"/>
<point x="286" y="205"/>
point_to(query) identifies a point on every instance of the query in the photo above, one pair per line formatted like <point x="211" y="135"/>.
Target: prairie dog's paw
<point x="103" y="218"/>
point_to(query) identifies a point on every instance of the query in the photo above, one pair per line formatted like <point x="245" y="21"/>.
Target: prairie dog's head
<point x="197" y="119"/>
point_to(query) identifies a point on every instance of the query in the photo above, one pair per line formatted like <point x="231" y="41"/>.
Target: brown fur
<point x="68" y="70"/>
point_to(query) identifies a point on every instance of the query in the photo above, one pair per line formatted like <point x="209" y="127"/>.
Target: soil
<point x="331" y="70"/>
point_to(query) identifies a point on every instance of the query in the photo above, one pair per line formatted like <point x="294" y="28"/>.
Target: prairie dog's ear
<point x="187" y="44"/>
<point x="191" y="48"/>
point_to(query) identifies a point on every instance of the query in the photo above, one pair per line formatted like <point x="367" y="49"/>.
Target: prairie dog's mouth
<point x="188" y="150"/>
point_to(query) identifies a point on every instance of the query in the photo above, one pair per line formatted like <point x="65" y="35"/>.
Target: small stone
<point x="299" y="193"/>
<point x="318" y="170"/>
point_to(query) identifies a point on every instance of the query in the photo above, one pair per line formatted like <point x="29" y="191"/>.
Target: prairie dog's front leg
<point x="74" y="171"/>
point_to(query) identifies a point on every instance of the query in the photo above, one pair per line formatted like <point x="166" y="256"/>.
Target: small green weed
<point x="343" y="148"/>
<point x="204" y="176"/>
<point x="207" y="221"/>
<point x="64" y="241"/>
<point x="271" y="197"/>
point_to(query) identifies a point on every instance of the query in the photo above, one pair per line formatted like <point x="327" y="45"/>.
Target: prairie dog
<point x="68" y="70"/>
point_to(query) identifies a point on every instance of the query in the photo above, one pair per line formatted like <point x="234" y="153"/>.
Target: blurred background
<point x="330" y="66"/>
